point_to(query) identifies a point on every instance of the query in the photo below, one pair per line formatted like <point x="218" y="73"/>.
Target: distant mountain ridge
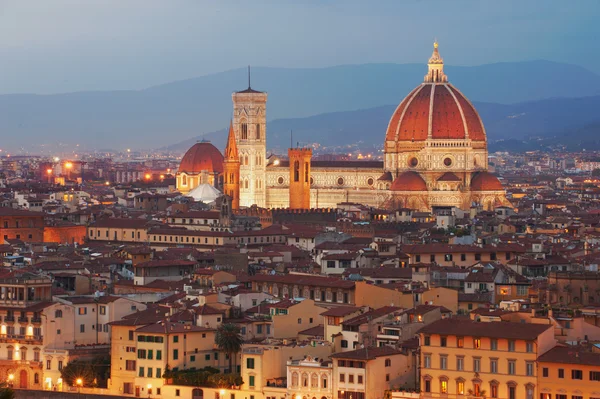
<point x="550" y="119"/>
<point x="172" y="112"/>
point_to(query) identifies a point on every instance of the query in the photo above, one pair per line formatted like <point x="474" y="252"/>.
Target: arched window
<point x="58" y="314"/>
<point x="197" y="393"/>
<point x="305" y="380"/>
<point x="294" y="379"/>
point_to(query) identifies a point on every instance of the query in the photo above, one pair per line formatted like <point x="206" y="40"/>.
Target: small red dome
<point x="409" y="181"/>
<point x="438" y="110"/>
<point x="485" y="181"/>
<point x="202" y="156"/>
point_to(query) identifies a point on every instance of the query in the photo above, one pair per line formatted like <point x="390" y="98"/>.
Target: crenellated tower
<point x="300" y="177"/>
<point x="231" y="170"/>
<point x="250" y="128"/>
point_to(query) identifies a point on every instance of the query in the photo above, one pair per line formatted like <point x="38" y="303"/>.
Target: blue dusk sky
<point x="52" y="46"/>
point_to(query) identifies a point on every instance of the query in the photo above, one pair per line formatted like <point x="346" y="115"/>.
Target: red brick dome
<point x="202" y="156"/>
<point x="485" y="181"/>
<point x="409" y="181"/>
<point x="435" y="109"/>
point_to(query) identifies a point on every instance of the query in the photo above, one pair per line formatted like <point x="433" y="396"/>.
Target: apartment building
<point x="367" y="373"/>
<point x="568" y="373"/>
<point x="494" y="360"/>
<point x="461" y="255"/>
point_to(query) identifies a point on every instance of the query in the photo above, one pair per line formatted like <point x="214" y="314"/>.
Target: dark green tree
<point x="6" y="392"/>
<point x="229" y="340"/>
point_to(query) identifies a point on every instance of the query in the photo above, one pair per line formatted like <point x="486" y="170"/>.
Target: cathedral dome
<point x="409" y="181"/>
<point x="485" y="181"/>
<point x="435" y="110"/>
<point x="202" y="156"/>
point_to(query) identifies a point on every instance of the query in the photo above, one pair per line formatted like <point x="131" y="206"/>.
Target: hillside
<point x="172" y="112"/>
<point x="552" y="119"/>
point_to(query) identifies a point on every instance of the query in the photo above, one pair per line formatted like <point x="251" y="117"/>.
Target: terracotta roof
<point x="165" y="263"/>
<point x="340" y="311"/>
<point x="207" y="310"/>
<point x="485" y="181"/>
<point x="316" y="331"/>
<point x="166" y="327"/>
<point x="386" y="176"/>
<point x="567" y="355"/>
<point x="409" y="181"/>
<point x="470" y="328"/>
<point x="202" y="156"/>
<point x="367" y="353"/>
<point x="448" y="115"/>
<point x="370" y="315"/>
<point x="449" y="176"/>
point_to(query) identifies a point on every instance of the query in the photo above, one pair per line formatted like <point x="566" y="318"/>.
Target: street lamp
<point x="298" y="397"/>
<point x="149" y="388"/>
<point x="11" y="378"/>
<point x="222" y="393"/>
<point x="147" y="176"/>
<point x="49" y="172"/>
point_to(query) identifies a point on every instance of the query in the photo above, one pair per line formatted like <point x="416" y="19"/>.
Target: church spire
<point x="231" y="151"/>
<point x="435" y="73"/>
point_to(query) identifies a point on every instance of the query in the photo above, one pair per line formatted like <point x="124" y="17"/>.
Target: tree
<point x="229" y="340"/>
<point x="6" y="392"/>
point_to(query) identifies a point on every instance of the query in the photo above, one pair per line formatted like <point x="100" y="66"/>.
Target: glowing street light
<point x="79" y="382"/>
<point x="107" y="183"/>
<point x="49" y="172"/>
<point x="11" y="378"/>
<point x="148" y="176"/>
<point x="221" y="394"/>
<point x="149" y="388"/>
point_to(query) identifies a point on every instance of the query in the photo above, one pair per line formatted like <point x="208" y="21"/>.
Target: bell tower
<point x="250" y="128"/>
<point x="231" y="170"/>
<point x="299" y="177"/>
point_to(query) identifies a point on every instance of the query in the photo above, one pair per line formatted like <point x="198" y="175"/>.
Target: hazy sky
<point x="49" y="46"/>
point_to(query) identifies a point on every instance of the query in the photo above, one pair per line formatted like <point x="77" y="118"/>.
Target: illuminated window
<point x="477" y="343"/>
<point x="444" y="386"/>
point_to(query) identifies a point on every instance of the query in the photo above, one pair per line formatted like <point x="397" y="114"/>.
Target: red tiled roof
<point x="409" y="181"/>
<point x="470" y="328"/>
<point x="367" y="353"/>
<point x="165" y="263"/>
<point x="485" y="181"/>
<point x="452" y="116"/>
<point x="566" y="355"/>
<point x="202" y="156"/>
<point x="340" y="311"/>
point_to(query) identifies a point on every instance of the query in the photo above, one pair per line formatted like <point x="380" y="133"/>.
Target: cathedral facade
<point x="435" y="155"/>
